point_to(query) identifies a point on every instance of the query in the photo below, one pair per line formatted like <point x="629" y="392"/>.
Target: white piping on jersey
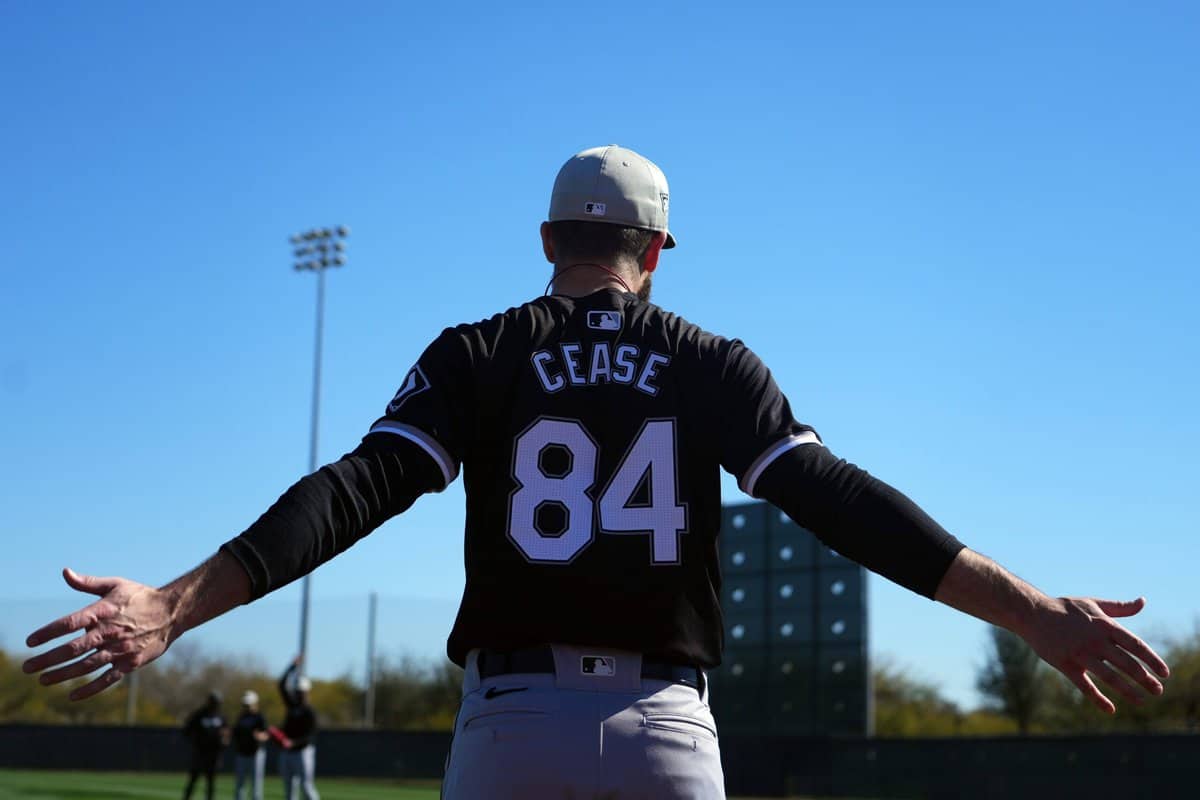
<point x="441" y="457"/>
<point x="746" y="484"/>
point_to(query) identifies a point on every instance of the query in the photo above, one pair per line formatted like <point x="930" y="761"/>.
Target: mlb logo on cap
<point x="615" y="185"/>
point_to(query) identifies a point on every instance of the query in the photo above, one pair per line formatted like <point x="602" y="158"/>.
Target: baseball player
<point x="206" y="730"/>
<point x="590" y="426"/>
<point x="298" y="762"/>
<point x="249" y="757"/>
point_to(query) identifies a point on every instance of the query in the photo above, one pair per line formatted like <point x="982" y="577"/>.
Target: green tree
<point x="1013" y="679"/>
<point x="907" y="706"/>
<point x="412" y="695"/>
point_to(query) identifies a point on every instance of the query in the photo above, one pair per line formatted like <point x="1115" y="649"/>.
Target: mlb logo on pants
<point x="598" y="665"/>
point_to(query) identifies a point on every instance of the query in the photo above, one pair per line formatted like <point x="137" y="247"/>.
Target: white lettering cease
<point x="650" y="371"/>
<point x="626" y="361"/>
<point x="570" y="354"/>
<point x="550" y="383"/>
<point x="600" y="364"/>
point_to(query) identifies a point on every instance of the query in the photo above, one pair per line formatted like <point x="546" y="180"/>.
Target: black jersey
<point x="248" y="724"/>
<point x="590" y="431"/>
<point x="203" y="727"/>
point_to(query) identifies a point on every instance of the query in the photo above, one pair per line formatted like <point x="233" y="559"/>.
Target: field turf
<point x="43" y="785"/>
<point x="40" y="785"/>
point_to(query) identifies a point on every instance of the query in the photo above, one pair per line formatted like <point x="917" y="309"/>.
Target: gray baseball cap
<point x="612" y="184"/>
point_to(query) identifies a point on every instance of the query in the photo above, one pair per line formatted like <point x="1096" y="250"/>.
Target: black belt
<point x="541" y="659"/>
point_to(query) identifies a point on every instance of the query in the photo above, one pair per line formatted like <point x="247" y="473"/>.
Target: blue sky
<point x="963" y="238"/>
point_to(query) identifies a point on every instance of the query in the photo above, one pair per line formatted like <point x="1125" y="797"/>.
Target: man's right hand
<point x="128" y="627"/>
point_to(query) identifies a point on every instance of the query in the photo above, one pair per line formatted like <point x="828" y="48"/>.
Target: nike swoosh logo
<point x="493" y="692"/>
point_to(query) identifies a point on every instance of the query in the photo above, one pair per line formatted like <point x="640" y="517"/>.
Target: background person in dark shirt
<point x="206" y="730"/>
<point x="249" y="757"/>
<point x="298" y="762"/>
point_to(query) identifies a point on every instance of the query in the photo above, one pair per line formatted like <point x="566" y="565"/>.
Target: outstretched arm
<point x="1075" y="635"/>
<point x="319" y="517"/>
<point x="285" y="691"/>
<point x="871" y="523"/>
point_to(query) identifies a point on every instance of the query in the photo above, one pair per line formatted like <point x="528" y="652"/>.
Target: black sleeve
<point x="289" y="699"/>
<point x="433" y="408"/>
<point x="756" y="424"/>
<point x="860" y="517"/>
<point x="325" y="513"/>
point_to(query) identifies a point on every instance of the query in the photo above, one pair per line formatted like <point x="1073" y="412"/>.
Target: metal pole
<point x="316" y="400"/>
<point x="306" y="585"/>
<point x="369" y="703"/>
<point x="131" y="698"/>
<point x="316" y="249"/>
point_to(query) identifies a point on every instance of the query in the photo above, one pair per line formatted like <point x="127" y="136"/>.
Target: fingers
<point x="80" y="668"/>
<point x="1134" y="669"/>
<point x="1114" y="679"/>
<point x="89" y="583"/>
<point x="99" y="685"/>
<point x="63" y="653"/>
<point x="1084" y="684"/>
<point x="1137" y="647"/>
<point x="83" y="618"/>
<point x="1121" y="608"/>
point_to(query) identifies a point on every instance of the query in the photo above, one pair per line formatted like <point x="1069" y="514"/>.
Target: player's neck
<point x="579" y="279"/>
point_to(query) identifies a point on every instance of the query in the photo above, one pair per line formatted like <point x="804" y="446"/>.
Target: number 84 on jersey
<point x="640" y="498"/>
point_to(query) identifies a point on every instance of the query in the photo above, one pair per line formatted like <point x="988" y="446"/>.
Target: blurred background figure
<point x="249" y="757"/>
<point x="299" y="759"/>
<point x="206" y="730"/>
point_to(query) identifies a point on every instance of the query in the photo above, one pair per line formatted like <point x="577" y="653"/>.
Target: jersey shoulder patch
<point x="414" y="383"/>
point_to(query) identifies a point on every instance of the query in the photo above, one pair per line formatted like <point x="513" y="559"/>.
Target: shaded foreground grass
<point x="46" y="785"/>
<point x="41" y="785"/>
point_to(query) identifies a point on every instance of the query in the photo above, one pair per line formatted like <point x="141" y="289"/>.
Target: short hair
<point x="575" y="239"/>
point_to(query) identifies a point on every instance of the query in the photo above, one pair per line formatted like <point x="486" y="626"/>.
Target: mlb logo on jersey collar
<point x="598" y="665"/>
<point x="604" y="320"/>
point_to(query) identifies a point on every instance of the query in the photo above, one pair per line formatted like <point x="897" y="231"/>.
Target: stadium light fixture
<point x="313" y="252"/>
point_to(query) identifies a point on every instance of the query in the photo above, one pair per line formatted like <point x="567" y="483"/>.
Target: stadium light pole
<point x="131" y="698"/>
<point x="369" y="698"/>
<point x="315" y="250"/>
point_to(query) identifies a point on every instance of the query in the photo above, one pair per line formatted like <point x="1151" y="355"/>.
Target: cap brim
<point x="670" y="241"/>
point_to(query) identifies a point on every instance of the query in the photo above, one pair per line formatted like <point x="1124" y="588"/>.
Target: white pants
<point x="599" y="734"/>
<point x="249" y="768"/>
<point x="299" y="766"/>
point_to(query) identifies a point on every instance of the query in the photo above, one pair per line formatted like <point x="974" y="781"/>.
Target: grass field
<point x="38" y="785"/>
<point x="42" y="785"/>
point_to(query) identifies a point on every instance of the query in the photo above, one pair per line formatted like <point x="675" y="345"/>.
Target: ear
<point x="547" y="242"/>
<point x="653" y="251"/>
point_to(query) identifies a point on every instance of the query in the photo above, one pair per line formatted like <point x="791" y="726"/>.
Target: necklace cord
<point x="570" y="267"/>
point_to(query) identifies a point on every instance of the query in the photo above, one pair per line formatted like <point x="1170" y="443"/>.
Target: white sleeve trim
<point x="755" y="471"/>
<point x="446" y="463"/>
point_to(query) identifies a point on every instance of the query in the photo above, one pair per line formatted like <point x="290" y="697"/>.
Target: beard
<point x="643" y="292"/>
